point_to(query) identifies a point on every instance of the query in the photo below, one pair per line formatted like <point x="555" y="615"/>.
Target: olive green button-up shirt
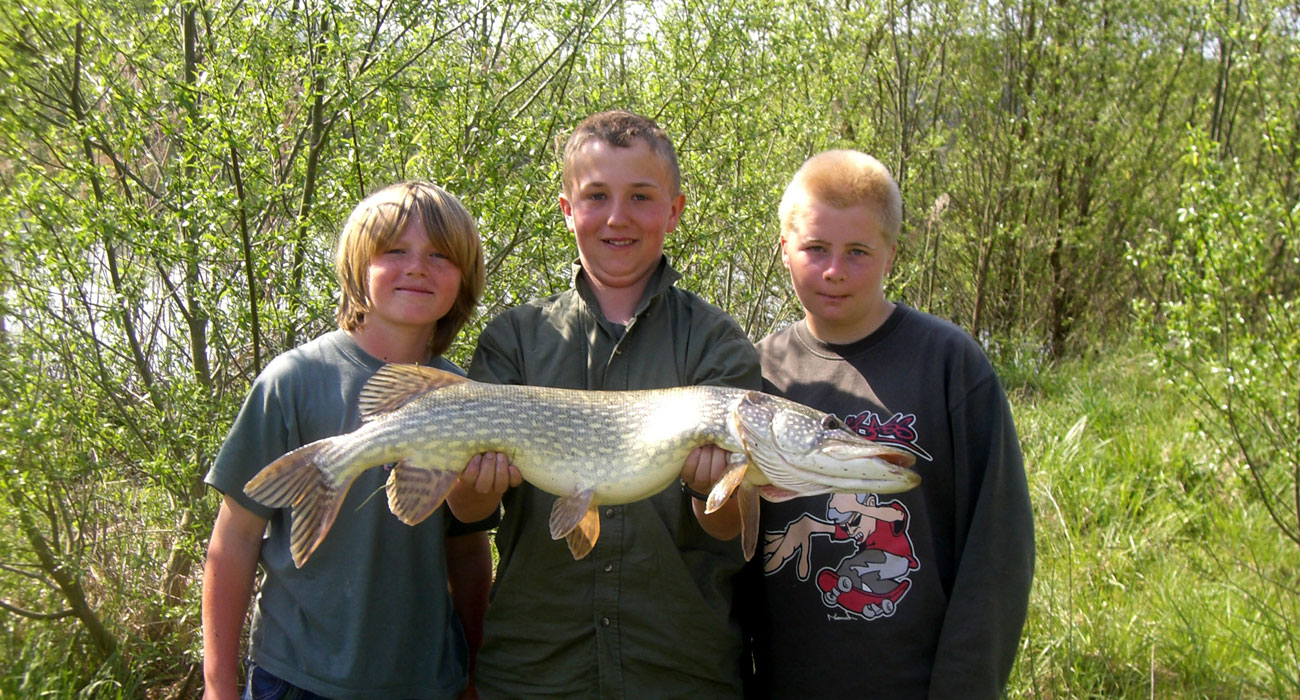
<point x="648" y="612"/>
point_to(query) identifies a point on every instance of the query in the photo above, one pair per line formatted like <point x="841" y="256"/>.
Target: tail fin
<point x="294" y="481"/>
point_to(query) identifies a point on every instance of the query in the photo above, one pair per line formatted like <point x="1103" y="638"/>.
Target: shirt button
<point x="604" y="622"/>
<point x="609" y="566"/>
<point x="609" y="512"/>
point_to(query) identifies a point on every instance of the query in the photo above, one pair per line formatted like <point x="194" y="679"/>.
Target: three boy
<point x="922" y="593"/>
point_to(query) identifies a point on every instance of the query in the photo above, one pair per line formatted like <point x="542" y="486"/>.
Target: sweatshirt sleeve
<point x="990" y="595"/>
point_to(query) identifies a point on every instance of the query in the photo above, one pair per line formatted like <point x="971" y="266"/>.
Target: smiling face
<point x="838" y="259"/>
<point x="620" y="203"/>
<point x="410" y="285"/>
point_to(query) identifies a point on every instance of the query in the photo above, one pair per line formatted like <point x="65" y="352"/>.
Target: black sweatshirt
<point x="912" y="595"/>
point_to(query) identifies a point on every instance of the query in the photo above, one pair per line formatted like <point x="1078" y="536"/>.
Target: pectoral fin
<point x="414" y="492"/>
<point x="727" y="483"/>
<point x="747" y="499"/>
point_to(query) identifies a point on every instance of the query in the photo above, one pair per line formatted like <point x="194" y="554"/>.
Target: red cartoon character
<point x="871" y="581"/>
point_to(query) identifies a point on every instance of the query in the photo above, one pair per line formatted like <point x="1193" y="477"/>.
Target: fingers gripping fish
<point x="589" y="448"/>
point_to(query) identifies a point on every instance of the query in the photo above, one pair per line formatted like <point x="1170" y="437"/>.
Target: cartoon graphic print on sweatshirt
<point x="871" y="580"/>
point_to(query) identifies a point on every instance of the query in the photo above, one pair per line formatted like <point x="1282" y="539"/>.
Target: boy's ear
<point x="567" y="209"/>
<point x="785" y="257"/>
<point x="679" y="204"/>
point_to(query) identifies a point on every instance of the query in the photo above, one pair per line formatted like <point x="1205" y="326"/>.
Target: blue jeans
<point x="264" y="686"/>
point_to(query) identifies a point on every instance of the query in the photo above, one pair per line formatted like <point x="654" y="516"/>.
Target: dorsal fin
<point x="394" y="386"/>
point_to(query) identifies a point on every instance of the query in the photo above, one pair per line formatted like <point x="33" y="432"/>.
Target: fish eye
<point x="830" y="422"/>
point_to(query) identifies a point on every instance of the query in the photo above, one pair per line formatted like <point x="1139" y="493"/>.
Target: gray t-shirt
<point x="368" y="616"/>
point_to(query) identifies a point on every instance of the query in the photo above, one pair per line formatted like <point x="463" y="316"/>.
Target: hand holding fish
<point x="491" y="473"/>
<point x="479" y="489"/>
<point x="703" y="468"/>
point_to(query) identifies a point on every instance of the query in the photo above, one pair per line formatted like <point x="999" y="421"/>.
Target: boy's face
<point x="838" y="260"/>
<point x="411" y="284"/>
<point x="620" y="205"/>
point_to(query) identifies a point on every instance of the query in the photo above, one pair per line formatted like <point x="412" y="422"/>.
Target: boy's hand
<point x="478" y="490"/>
<point x="703" y="467"/>
<point x="490" y="473"/>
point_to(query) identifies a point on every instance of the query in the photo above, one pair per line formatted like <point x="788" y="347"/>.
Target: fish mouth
<point x="845" y="450"/>
<point x="840" y="467"/>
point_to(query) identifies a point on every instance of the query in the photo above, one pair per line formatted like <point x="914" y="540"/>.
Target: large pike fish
<point x="590" y="448"/>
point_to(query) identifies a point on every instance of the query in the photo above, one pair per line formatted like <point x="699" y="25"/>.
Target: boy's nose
<point x="419" y="265"/>
<point x="617" y="213"/>
<point x="834" y="270"/>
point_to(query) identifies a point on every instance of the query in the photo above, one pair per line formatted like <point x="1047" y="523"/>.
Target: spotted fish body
<point x="589" y="448"/>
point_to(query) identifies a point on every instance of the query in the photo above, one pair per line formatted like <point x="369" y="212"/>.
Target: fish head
<point x="805" y="451"/>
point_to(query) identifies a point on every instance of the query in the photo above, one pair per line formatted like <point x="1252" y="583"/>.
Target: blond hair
<point x="620" y="128"/>
<point x="843" y="178"/>
<point x="379" y="220"/>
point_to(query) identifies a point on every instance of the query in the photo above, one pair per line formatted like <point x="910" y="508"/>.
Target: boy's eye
<point x="596" y="196"/>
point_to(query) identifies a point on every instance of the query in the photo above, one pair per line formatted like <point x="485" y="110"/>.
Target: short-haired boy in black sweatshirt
<point x="916" y="595"/>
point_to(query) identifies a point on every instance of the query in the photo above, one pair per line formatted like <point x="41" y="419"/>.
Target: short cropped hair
<point x="620" y="128"/>
<point x="379" y="220"/>
<point x="844" y="178"/>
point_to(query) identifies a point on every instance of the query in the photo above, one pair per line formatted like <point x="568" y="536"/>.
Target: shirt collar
<point x="661" y="280"/>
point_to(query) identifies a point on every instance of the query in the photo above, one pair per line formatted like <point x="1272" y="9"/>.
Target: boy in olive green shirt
<point x="647" y="612"/>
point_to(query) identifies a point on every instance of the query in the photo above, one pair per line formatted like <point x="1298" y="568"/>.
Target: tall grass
<point x="1158" y="576"/>
<point x="55" y="663"/>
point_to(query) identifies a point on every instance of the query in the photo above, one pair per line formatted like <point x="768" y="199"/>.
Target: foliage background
<point x="1074" y="175"/>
